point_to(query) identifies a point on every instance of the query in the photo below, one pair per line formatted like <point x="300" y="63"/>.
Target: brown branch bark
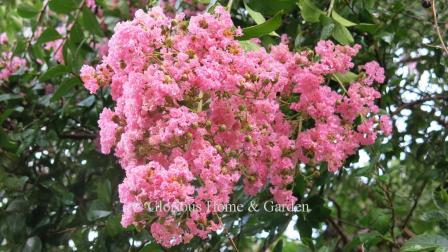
<point x="436" y="25"/>
<point x="77" y="136"/>
<point x="418" y="102"/>
<point x="338" y="229"/>
<point x="414" y="205"/>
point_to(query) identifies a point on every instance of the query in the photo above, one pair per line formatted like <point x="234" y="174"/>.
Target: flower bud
<point x="222" y="127"/>
<point x="218" y="148"/>
<point x="169" y="42"/>
<point x="208" y="124"/>
<point x="242" y="107"/>
<point x="232" y="153"/>
<point x="248" y="138"/>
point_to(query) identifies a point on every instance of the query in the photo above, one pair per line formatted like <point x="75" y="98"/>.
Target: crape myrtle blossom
<point x="9" y="64"/>
<point x="195" y="114"/>
<point x="91" y="4"/>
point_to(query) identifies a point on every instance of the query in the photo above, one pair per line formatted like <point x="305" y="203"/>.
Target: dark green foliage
<point x="57" y="191"/>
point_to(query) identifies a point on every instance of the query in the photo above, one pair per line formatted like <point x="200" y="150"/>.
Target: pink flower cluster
<point x="9" y="64"/>
<point x="91" y="4"/>
<point x="56" y="45"/>
<point x="334" y="136"/>
<point x="195" y="114"/>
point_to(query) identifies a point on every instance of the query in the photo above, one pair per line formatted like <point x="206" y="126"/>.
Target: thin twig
<point x="330" y="8"/>
<point x="39" y="20"/>
<point x="229" y="5"/>
<point x="227" y="233"/>
<point x="344" y="237"/>
<point x="436" y="25"/>
<point x="414" y="205"/>
<point x="387" y="194"/>
<point x="67" y="33"/>
<point x="77" y="136"/>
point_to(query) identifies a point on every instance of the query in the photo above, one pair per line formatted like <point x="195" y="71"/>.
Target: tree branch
<point x="436" y="25"/>
<point x="414" y="205"/>
<point x="418" y="102"/>
<point x="77" y="135"/>
<point x="339" y="230"/>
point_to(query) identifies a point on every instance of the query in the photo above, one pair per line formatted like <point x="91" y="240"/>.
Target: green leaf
<point x="256" y="16"/>
<point x="212" y="6"/>
<point x="104" y="191"/>
<point x="55" y="71"/>
<point x="262" y="29"/>
<point x="5" y="115"/>
<point x="370" y="28"/>
<point x="248" y="45"/>
<point x="26" y="10"/>
<point x="345" y="78"/>
<point x="425" y="242"/>
<point x="17" y="205"/>
<point x="33" y="244"/>
<point x="49" y="34"/>
<point x="90" y="22"/>
<point x="113" y="226"/>
<point x="66" y="86"/>
<point x="76" y="33"/>
<point x="328" y="27"/>
<point x="342" y="35"/>
<point x="309" y="11"/>
<point x="7" y="97"/>
<point x="151" y="247"/>
<point x="270" y="8"/>
<point x="341" y="20"/>
<point x="5" y="142"/>
<point x="15" y="183"/>
<point x="87" y="102"/>
<point x="440" y="198"/>
<point x="97" y="210"/>
<point x="62" y="6"/>
<point x="299" y="186"/>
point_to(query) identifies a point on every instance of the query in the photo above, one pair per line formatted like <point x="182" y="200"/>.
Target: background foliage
<point x="57" y="192"/>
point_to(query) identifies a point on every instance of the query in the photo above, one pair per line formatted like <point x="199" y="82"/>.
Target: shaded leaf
<point x="66" y="86"/>
<point x="262" y="29"/>
<point x="345" y="78"/>
<point x="55" y="71"/>
<point x="309" y="11"/>
<point x="90" y="22"/>
<point x="341" y="20"/>
<point x="370" y="28"/>
<point x="49" y="34"/>
<point x="62" y="6"/>
<point x="248" y="45"/>
<point x="342" y="35"/>
<point x="26" y="10"/>
<point x="425" y="242"/>
<point x="33" y="244"/>
<point x="328" y="27"/>
<point x="97" y="210"/>
<point x="268" y="7"/>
